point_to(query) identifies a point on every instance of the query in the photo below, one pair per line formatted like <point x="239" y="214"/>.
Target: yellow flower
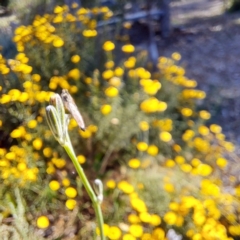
<point x="138" y="204"/>
<point x="37" y="143"/>
<point x="115" y="81"/>
<point x="152" y="105"/>
<point x="130" y="63"/>
<point x="176" y="56"/>
<point x="107" y="74"/>
<point x="128" y="48"/>
<point x="125" y="187"/>
<point x="152" y="150"/>
<point x="109" y="64"/>
<point x="75" y="58"/>
<point x="36" y="77"/>
<point x="74" y="74"/>
<point x="155" y="220"/>
<point x="111" y="184"/>
<point x="204" y="170"/>
<point x="142" y="146"/>
<point x="71" y="204"/>
<point x="136" y="230"/>
<point x="168" y="187"/>
<point x="215" y="128"/>
<point x="170" y="163"/>
<point x="71" y="192"/>
<point x="106" y="109"/>
<point x="144" y="126"/>
<point x="179" y="159"/>
<point x="186" y="168"/>
<point x="134" y="163"/>
<point x="111" y="91"/>
<point x="204" y="115"/>
<point x="93" y="128"/>
<point x="22" y="166"/>
<point x="42" y="222"/>
<point x="195" y="162"/>
<point x="203" y="130"/>
<point x="58" y="9"/>
<point x="85" y="134"/>
<point x="189" y="134"/>
<point x="105" y="229"/>
<point x="89" y="33"/>
<point x="5" y="99"/>
<point x="128" y="236"/>
<point x="108" y="46"/>
<point x="32" y="123"/>
<point x="133" y="218"/>
<point x="81" y="159"/>
<point x="145" y="217"/>
<point x="221" y="162"/>
<point x="152" y="87"/>
<point x="66" y="182"/>
<point x="170" y="218"/>
<point x="58" y="42"/>
<point x="187" y="112"/>
<point x="118" y="71"/>
<point x="114" y="233"/>
<point x="165" y="136"/>
<point x="54" y="185"/>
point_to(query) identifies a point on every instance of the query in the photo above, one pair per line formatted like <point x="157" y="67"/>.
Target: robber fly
<point x="72" y="108"/>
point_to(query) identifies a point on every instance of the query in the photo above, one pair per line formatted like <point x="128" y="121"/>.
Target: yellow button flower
<point x="81" y="159"/>
<point x="71" y="192"/>
<point x="152" y="150"/>
<point x="125" y="187"/>
<point x="165" y="136"/>
<point x="128" y="48"/>
<point x="170" y="218"/>
<point x="205" y="115"/>
<point x="32" y="123"/>
<point x="111" y="91"/>
<point x="107" y="74"/>
<point x="58" y="42"/>
<point x="75" y="58"/>
<point x="118" y="71"/>
<point x="142" y="146"/>
<point x="74" y="74"/>
<point x="37" y="143"/>
<point x="108" y="46"/>
<point x="70" y="204"/>
<point x="170" y="163"/>
<point x="114" y="233"/>
<point x="215" y="128"/>
<point x="89" y="33"/>
<point x="106" y="109"/>
<point x="66" y="182"/>
<point x="221" y="162"/>
<point x="111" y="184"/>
<point x="144" y="126"/>
<point x="136" y="230"/>
<point x="134" y="163"/>
<point x="54" y="185"/>
<point x="42" y="222"/>
<point x="187" y="112"/>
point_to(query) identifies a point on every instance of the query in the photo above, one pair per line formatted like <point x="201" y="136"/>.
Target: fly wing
<point x="76" y="115"/>
<point x="72" y="108"/>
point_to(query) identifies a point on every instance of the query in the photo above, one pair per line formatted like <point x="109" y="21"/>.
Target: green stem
<point x="69" y="149"/>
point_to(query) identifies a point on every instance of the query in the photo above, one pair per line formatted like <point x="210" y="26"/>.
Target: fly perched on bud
<point x="72" y="108"/>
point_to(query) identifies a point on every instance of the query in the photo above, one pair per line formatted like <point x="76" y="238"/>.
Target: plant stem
<point x="69" y="149"/>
